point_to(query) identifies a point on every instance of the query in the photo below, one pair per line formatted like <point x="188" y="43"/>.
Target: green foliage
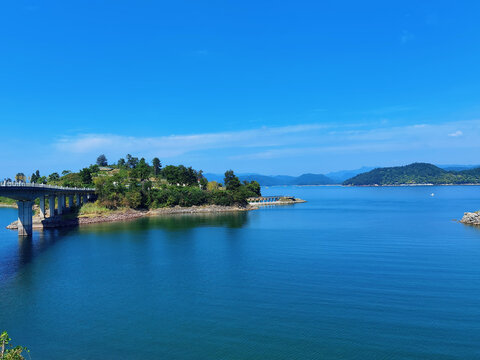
<point x="121" y="164"/>
<point x="102" y="160"/>
<point x="131" y="161"/>
<point x="35" y="177"/>
<point x="7" y="201"/>
<point x="53" y="177"/>
<point x="20" y="177"/>
<point x="221" y="197"/>
<point x="231" y="181"/>
<point x="180" y="175"/>
<point x="417" y="173"/>
<point x="142" y="170"/>
<point x="131" y="185"/>
<point x="213" y="185"/>
<point x="8" y="351"/>
<point x="254" y="188"/>
<point x="93" y="208"/>
<point x="157" y="165"/>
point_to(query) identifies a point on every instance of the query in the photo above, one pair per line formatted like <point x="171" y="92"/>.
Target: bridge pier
<point x="26" y="193"/>
<point x="42" y="207"/>
<point x="70" y="202"/>
<point x="61" y="204"/>
<point x="25" y="218"/>
<point x="51" y="204"/>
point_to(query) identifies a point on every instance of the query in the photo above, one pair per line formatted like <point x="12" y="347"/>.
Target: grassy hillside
<point x="417" y="173"/>
<point x="7" y="201"/>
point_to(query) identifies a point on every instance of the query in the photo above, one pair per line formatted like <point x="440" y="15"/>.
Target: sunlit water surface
<point x="354" y="273"/>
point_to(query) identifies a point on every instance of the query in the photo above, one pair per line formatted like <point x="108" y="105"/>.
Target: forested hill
<point x="417" y="173"/>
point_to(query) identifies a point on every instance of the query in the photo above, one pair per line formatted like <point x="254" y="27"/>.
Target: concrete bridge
<point x="26" y="193"/>
<point x="270" y="200"/>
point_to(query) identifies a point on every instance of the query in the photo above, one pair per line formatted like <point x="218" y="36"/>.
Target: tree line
<point x="135" y="183"/>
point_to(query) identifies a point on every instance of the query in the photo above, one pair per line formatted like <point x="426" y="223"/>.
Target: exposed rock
<point x="471" y="218"/>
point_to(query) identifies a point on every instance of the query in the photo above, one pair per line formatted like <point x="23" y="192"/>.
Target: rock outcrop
<point x="471" y="218"/>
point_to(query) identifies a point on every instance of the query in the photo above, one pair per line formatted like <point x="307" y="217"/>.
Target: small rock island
<point x="471" y="218"/>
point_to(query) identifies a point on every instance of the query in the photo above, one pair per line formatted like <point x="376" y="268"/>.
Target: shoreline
<point x="128" y="215"/>
<point x="8" y="206"/>
<point x="70" y="220"/>
<point x="471" y="218"/>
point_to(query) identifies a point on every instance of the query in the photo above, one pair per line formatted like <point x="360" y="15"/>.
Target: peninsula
<point x="132" y="188"/>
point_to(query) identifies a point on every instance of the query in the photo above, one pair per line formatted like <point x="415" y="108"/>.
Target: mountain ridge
<point x="278" y="180"/>
<point x="415" y="174"/>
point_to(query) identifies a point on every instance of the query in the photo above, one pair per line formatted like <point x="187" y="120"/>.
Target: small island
<point x="132" y="188"/>
<point x="471" y="218"/>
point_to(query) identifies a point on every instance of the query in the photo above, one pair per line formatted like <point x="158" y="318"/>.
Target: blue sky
<point x="273" y="87"/>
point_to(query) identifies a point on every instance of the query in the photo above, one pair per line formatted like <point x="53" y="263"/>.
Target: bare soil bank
<point x="68" y="221"/>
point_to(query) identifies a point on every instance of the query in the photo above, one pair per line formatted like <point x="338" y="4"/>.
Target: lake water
<point x="354" y="273"/>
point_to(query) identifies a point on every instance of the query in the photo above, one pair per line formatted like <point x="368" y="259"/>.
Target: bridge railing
<point x="44" y="186"/>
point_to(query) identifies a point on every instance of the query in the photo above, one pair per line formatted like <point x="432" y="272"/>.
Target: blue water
<point x="355" y="273"/>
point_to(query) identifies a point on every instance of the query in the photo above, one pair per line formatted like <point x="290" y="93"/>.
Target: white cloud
<point x="175" y="145"/>
<point x="456" y="133"/>
<point x="278" y="142"/>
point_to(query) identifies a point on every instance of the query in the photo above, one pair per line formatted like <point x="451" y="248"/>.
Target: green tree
<point x="86" y="176"/>
<point x="8" y="351"/>
<point x="53" y="177"/>
<point x="102" y="160"/>
<point x="35" y="176"/>
<point x="157" y="166"/>
<point x="254" y="188"/>
<point x="142" y="170"/>
<point x="180" y="175"/>
<point x="132" y="162"/>
<point x="231" y="181"/>
<point x="20" y="177"/>
<point x="66" y="172"/>
<point x="121" y="163"/>
<point x="212" y="185"/>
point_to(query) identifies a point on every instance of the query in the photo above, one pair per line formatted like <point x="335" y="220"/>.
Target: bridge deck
<point x="26" y="193"/>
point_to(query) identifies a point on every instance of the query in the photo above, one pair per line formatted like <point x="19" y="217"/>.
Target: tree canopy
<point x="8" y="351"/>
<point x="416" y="173"/>
<point x="134" y="183"/>
<point x="102" y="160"/>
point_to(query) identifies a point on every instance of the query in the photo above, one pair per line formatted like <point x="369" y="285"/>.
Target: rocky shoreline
<point x="471" y="218"/>
<point x="66" y="221"/>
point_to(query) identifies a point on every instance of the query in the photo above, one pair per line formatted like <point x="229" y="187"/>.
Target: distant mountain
<point x="457" y="167"/>
<point x="341" y="176"/>
<point x="312" y="179"/>
<point x="265" y="180"/>
<point x="417" y="173"/>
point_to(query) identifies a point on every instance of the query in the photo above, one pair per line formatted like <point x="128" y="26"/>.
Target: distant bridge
<point x="267" y="200"/>
<point x="26" y="193"/>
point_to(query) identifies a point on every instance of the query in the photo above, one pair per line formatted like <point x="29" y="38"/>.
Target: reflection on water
<point x="12" y="260"/>
<point x="174" y="222"/>
<point x="355" y="273"/>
